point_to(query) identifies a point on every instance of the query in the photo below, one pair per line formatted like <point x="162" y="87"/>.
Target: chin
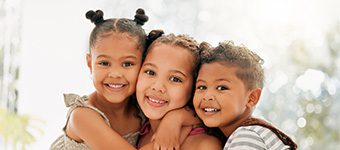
<point x="154" y="115"/>
<point x="211" y="124"/>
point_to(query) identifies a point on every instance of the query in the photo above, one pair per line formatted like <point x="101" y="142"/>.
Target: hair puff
<point x="95" y="17"/>
<point x="153" y="35"/>
<point x="140" y="17"/>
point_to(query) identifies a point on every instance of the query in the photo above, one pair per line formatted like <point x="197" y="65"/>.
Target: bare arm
<point x="88" y="126"/>
<point x="184" y="115"/>
<point x="174" y="128"/>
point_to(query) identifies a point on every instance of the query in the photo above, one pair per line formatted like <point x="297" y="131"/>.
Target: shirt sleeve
<point x="245" y="139"/>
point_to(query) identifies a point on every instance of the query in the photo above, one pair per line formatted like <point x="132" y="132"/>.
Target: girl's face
<point x="165" y="80"/>
<point x="114" y="63"/>
<point x="220" y="97"/>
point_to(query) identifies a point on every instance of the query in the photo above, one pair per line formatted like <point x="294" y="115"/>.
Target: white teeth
<point x="210" y="109"/>
<point x="116" y="85"/>
<point x="157" y="101"/>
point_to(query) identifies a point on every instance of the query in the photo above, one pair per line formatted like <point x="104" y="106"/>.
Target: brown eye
<point x="221" y="88"/>
<point x="175" y="79"/>
<point x="104" y="63"/>
<point x="201" y="88"/>
<point x="149" y="72"/>
<point x="127" y="64"/>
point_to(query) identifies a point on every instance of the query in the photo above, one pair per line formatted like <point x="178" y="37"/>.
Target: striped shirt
<point x="254" y="138"/>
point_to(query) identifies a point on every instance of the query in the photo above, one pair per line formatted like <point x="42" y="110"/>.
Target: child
<point x="99" y="121"/>
<point x="114" y="60"/>
<point x="228" y="87"/>
<point x="166" y="83"/>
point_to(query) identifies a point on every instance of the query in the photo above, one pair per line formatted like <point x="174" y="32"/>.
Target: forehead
<point x="168" y="56"/>
<point x="217" y="70"/>
<point x="116" y="43"/>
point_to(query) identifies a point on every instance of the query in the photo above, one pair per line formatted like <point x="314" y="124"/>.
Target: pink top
<point x="147" y="127"/>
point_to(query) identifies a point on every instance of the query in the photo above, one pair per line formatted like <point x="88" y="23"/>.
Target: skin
<point x="164" y="84"/>
<point x="114" y="63"/>
<point x="222" y="99"/>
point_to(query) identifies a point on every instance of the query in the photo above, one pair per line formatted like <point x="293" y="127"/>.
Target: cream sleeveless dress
<point x="73" y="101"/>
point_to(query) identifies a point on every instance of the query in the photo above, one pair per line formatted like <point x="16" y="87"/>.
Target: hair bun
<point x="140" y="17"/>
<point x="95" y="17"/>
<point x="152" y="36"/>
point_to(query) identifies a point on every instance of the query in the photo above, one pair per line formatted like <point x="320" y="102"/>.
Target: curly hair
<point x="183" y="41"/>
<point x="118" y="25"/>
<point x="250" y="64"/>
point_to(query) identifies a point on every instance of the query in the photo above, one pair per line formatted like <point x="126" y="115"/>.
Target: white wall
<point x="55" y="38"/>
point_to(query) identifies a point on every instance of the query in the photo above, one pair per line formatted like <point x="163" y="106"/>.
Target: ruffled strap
<point x="73" y="101"/>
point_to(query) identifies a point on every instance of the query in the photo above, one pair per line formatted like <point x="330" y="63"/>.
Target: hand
<point x="185" y="133"/>
<point x="167" y="136"/>
<point x="170" y="134"/>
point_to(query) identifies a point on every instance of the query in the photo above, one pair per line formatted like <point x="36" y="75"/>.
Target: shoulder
<point x="84" y="114"/>
<point x="203" y="142"/>
<point x="209" y="142"/>
<point x="80" y="116"/>
<point x="83" y="120"/>
<point x="253" y="137"/>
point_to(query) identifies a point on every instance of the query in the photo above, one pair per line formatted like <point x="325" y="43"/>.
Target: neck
<point x="233" y="125"/>
<point x="115" y="109"/>
<point x="154" y="125"/>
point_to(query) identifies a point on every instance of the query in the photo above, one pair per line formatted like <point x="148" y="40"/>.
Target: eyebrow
<point x="150" y="64"/>
<point x="222" y="79"/>
<point x="124" y="57"/>
<point x="180" y="72"/>
<point x="200" y="80"/>
<point x="175" y="71"/>
<point x="105" y="56"/>
<point x="130" y="56"/>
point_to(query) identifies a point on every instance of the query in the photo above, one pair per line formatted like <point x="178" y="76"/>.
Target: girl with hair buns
<point x="101" y="119"/>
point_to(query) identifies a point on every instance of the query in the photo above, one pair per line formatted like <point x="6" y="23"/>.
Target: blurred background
<point x="43" y="46"/>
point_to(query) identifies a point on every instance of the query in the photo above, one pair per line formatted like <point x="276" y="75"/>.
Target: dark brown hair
<point x="183" y="41"/>
<point x="118" y="25"/>
<point x="250" y="64"/>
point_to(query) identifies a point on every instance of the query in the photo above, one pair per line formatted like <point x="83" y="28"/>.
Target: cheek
<point x="182" y="95"/>
<point x="196" y="99"/>
<point x="141" y="84"/>
<point x="133" y="74"/>
<point x="97" y="75"/>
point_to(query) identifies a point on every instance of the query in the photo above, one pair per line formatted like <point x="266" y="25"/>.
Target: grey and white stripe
<point x="254" y="138"/>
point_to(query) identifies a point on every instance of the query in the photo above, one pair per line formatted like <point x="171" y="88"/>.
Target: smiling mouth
<point x="210" y="109"/>
<point x="115" y="86"/>
<point x="156" y="102"/>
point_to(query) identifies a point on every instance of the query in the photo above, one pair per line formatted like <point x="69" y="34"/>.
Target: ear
<point x="88" y="60"/>
<point x="254" y="97"/>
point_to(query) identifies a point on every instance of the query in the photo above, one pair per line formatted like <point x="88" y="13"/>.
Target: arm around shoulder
<point x="210" y="142"/>
<point x="86" y="125"/>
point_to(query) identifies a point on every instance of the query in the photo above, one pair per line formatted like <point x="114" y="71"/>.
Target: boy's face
<point x="114" y="63"/>
<point x="165" y="80"/>
<point x="220" y="97"/>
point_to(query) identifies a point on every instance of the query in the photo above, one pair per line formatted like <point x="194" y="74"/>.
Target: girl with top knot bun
<point x="108" y="118"/>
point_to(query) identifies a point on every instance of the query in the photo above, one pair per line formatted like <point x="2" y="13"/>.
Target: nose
<point x="158" y="86"/>
<point x="115" y="74"/>
<point x="208" y="96"/>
